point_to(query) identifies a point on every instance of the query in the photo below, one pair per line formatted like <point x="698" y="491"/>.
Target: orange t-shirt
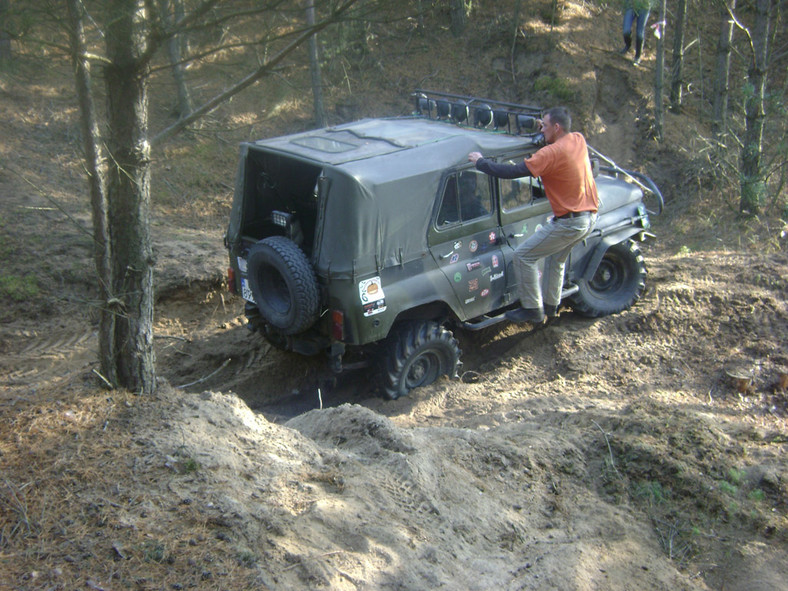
<point x="566" y="173"/>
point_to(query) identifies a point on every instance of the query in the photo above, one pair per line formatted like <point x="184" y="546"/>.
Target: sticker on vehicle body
<point x="241" y="264"/>
<point x="473" y="265"/>
<point x="493" y="236"/>
<point x="495" y="261"/>
<point x="458" y="245"/>
<point x="375" y="307"/>
<point x="454" y="258"/>
<point x="370" y="290"/>
<point x="473" y="246"/>
<point x="473" y="285"/>
<point x="457" y="277"/>
<point x="485" y="292"/>
<point x="495" y="276"/>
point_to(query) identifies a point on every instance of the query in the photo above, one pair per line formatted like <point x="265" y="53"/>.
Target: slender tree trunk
<point x="5" y="39"/>
<point x="314" y="68"/>
<point x="459" y="16"/>
<point x="659" y="78"/>
<point x="752" y="182"/>
<point x="96" y="166"/>
<point x="172" y="12"/>
<point x="127" y="79"/>
<point x="677" y="69"/>
<point x="719" y="122"/>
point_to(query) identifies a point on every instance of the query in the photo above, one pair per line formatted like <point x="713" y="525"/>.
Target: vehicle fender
<point x="598" y="252"/>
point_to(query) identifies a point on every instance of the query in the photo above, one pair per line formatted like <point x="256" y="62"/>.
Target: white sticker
<point x="373" y="301"/>
<point x="370" y="290"/>
<point x="242" y="265"/>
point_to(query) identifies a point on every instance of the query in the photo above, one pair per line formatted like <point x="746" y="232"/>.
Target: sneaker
<point x="520" y="315"/>
<point x="636" y="63"/>
<point x="551" y="311"/>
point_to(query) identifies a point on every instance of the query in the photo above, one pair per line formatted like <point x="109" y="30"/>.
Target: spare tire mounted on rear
<point x="283" y="284"/>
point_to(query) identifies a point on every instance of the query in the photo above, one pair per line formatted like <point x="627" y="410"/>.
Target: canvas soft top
<point x="383" y="176"/>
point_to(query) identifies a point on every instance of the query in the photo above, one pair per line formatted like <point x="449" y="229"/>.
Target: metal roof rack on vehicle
<point x="482" y="113"/>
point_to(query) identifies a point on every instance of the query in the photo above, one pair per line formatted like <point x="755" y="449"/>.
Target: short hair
<point x="561" y="116"/>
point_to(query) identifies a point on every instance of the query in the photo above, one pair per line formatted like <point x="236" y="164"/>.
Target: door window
<point x="516" y="193"/>
<point x="466" y="196"/>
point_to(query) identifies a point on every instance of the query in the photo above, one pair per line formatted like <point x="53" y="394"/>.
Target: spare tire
<point x="283" y="284"/>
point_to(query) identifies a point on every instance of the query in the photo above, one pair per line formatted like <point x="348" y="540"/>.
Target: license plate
<point x="246" y="290"/>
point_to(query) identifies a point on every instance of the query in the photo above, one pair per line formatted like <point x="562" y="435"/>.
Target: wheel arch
<point x="598" y="253"/>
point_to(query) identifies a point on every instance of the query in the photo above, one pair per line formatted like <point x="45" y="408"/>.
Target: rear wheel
<point x="416" y="355"/>
<point x="618" y="283"/>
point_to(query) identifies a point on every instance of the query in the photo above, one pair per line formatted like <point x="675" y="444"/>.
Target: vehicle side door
<point x="523" y="208"/>
<point x="465" y="241"/>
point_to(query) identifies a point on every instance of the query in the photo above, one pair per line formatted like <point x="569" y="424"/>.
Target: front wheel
<point x="416" y="355"/>
<point x="618" y="283"/>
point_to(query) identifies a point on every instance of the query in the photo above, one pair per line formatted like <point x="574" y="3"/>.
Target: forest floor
<point x="613" y="453"/>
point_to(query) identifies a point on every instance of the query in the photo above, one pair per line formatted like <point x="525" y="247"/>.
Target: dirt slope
<point x="591" y="454"/>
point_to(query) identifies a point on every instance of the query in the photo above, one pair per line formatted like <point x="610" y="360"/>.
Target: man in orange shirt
<point x="565" y="169"/>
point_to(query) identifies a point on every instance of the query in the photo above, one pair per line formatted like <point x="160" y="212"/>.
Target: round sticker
<point x="473" y="245"/>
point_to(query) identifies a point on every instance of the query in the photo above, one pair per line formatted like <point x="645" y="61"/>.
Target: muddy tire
<point x="617" y="284"/>
<point x="417" y="354"/>
<point x="283" y="284"/>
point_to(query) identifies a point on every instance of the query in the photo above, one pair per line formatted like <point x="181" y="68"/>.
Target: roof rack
<point x="477" y="112"/>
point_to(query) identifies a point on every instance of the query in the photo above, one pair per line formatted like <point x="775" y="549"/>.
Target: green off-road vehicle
<point x="381" y="232"/>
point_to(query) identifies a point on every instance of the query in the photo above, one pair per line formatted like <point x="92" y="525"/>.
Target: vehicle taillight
<point x="338" y="325"/>
<point x="231" y="281"/>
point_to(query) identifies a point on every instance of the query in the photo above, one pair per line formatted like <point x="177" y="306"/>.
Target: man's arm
<point x="501" y="171"/>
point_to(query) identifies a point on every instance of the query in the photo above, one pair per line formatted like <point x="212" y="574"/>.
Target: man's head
<point x="556" y="123"/>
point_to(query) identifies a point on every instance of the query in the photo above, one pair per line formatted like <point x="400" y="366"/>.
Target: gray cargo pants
<point x="552" y="242"/>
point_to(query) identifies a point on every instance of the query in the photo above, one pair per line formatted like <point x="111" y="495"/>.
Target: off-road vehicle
<point x="381" y="232"/>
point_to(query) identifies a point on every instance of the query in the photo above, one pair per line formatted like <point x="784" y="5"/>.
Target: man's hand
<point x="474" y="156"/>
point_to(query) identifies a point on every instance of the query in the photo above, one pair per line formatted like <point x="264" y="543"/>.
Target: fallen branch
<point x="208" y="377"/>
<point x="609" y="450"/>
<point x="103" y="379"/>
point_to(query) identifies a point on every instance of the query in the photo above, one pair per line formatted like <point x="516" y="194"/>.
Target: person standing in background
<point x="635" y="12"/>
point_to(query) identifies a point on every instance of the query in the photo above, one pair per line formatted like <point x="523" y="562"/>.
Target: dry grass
<point x="82" y="503"/>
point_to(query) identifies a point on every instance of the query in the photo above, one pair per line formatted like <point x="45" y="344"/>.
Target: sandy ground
<point x="590" y="454"/>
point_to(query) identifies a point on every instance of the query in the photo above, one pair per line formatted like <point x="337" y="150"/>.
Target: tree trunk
<point x="677" y="69"/>
<point x="127" y="79"/>
<point x="459" y="16"/>
<point x="96" y="167"/>
<point x="752" y="182"/>
<point x="719" y="122"/>
<point x="659" y="78"/>
<point x="175" y="55"/>
<point x="314" y="68"/>
<point x="5" y="38"/>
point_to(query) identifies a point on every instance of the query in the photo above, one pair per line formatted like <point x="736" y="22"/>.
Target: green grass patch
<point x="19" y="288"/>
<point x="728" y="488"/>
<point x="556" y="87"/>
